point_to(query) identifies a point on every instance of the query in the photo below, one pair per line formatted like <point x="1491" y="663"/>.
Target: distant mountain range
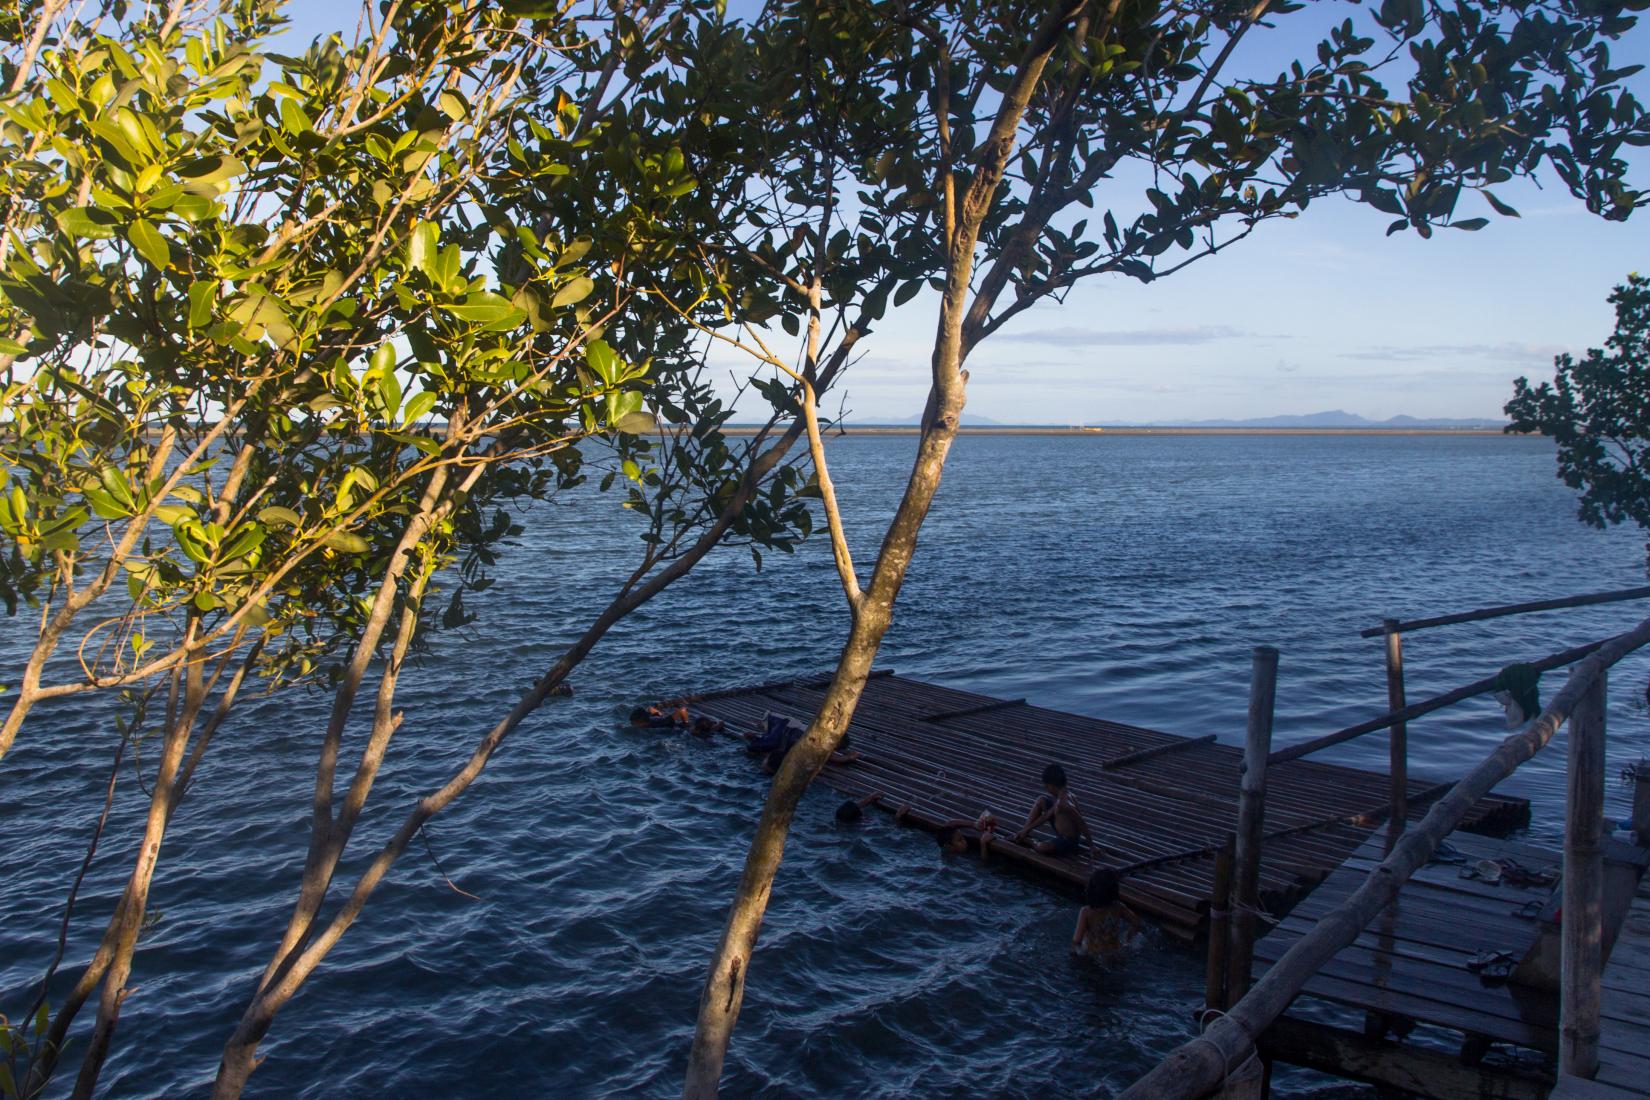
<point x="1334" y="418"/>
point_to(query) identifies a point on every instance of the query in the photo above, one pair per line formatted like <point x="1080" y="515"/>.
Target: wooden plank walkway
<point x="1159" y="804"/>
<point x="1411" y="962"/>
<point x="1624" y="1040"/>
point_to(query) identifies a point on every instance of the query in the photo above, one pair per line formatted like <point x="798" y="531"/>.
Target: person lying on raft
<point x="665" y="717"/>
<point x="844" y="753"/>
<point x="777" y="736"/>
<point x="1058" y="809"/>
<point x="778" y="732"/>
<point x="1105" y="925"/>
<point x="959" y="836"/>
<point x="852" y="811"/>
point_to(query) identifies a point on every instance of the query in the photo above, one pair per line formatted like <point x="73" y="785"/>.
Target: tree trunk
<point x="724" y="989"/>
<point x="128" y="921"/>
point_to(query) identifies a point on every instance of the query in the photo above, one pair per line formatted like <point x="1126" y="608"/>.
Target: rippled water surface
<point x="1119" y="576"/>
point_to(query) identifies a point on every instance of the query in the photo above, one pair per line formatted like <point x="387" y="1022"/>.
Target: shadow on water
<point x="1125" y="577"/>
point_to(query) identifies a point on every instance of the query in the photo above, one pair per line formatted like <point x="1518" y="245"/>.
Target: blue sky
<point x="1317" y="313"/>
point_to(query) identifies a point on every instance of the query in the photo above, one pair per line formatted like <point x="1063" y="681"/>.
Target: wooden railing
<point x="1399" y="713"/>
<point x="1198" y="1067"/>
<point x="1393" y="626"/>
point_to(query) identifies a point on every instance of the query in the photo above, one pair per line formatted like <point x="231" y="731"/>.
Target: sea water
<point x="1120" y="576"/>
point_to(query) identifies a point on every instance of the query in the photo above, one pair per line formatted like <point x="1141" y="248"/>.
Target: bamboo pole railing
<point x="1398" y="746"/>
<point x="1199" y="1066"/>
<point x="1393" y="630"/>
<point x="1251" y="819"/>
<point x="1425" y="706"/>
<point x="1393" y="626"/>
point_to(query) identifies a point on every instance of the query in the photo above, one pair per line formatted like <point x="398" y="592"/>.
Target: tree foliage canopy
<point x="1597" y="409"/>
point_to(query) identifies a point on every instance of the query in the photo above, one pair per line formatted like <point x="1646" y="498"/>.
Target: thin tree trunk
<point x="129" y="920"/>
<point x="288" y="971"/>
<point x="724" y="987"/>
<point x="119" y="941"/>
<point x="724" y="990"/>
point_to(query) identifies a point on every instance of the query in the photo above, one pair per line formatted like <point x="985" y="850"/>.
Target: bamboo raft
<point x="1160" y="805"/>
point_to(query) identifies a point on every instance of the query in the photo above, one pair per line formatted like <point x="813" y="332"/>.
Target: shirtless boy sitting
<point x="1059" y="810"/>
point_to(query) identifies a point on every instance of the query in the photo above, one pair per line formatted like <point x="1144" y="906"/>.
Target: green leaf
<point x="201" y="297"/>
<point x="484" y="307"/>
<point x="572" y="292"/>
<point x="149" y="242"/>
<point x="104" y="505"/>
<point x="245" y="541"/>
<point x="117" y="487"/>
<point x="421" y="246"/>
<point x="389" y="392"/>
<point x="293" y="119"/>
<point x="213" y="169"/>
<point x="12" y="347"/>
<point x="191" y="541"/>
<point x="88" y="223"/>
<point x="637" y="423"/>
<point x="603" y="360"/>
<point x="347" y="541"/>
<point x="1471" y="225"/>
<point x="417" y="407"/>
<point x="277" y="516"/>
<point x="622" y="405"/>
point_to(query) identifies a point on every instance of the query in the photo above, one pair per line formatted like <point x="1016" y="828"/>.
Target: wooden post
<point x="1581" y="927"/>
<point x="1641" y="803"/>
<point x="1399" y="742"/>
<point x="1257" y="746"/>
<point x="1220" y="916"/>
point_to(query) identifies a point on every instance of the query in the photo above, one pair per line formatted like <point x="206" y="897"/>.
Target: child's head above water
<point x="849" y="813"/>
<point x="1054" y="778"/>
<point x="952" y="839"/>
<point x="1102" y="888"/>
<point x="640" y="717"/>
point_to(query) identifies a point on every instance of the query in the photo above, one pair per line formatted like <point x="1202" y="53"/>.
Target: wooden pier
<point x="1554" y="958"/>
<point x="1160" y="805"/>
<point x="1420" y="962"/>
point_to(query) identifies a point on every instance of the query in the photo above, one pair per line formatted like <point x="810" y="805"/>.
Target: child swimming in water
<point x="658" y="717"/>
<point x="958" y="836"/>
<point x="852" y="812"/>
<point x="1105" y="925"/>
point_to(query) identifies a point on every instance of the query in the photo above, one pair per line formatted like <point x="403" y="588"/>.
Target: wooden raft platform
<point x="1410" y="966"/>
<point x="1159" y="804"/>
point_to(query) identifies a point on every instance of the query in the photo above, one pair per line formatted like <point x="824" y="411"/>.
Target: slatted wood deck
<point x="1411" y="962"/>
<point x="1159" y="804"/>
<point x="1624" y="1039"/>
